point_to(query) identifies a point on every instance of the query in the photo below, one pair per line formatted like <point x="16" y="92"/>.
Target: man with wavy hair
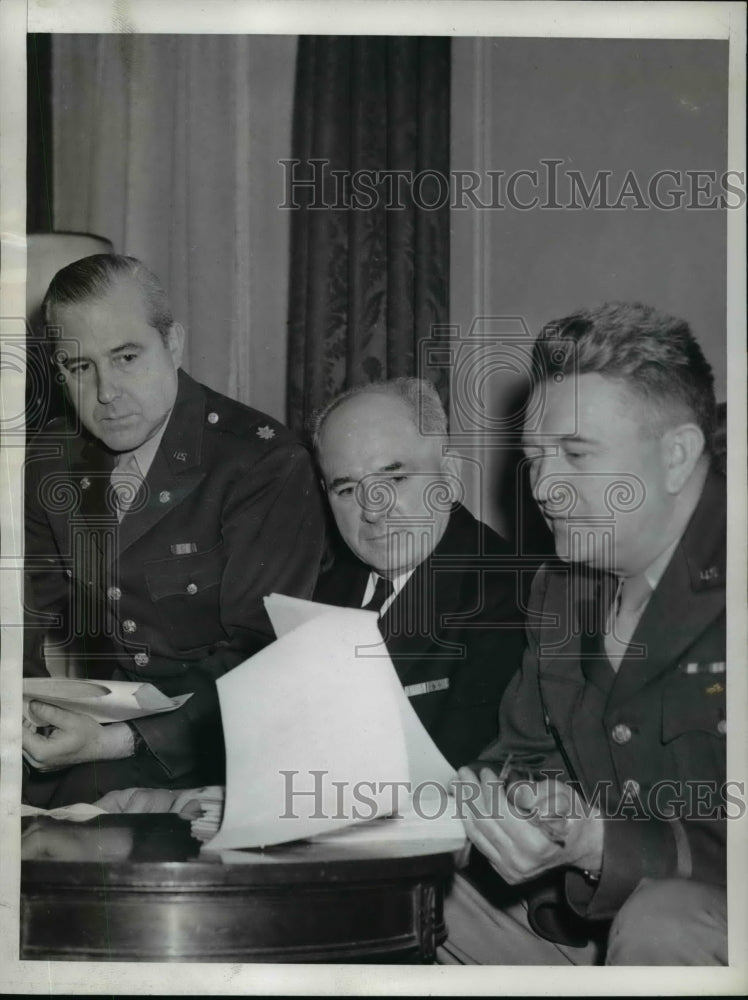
<point x="604" y="793"/>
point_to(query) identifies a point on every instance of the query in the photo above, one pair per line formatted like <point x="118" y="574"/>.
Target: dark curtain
<point x="369" y="252"/>
<point x="39" y="134"/>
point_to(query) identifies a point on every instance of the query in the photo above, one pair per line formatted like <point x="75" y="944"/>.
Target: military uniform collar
<point x="703" y="542"/>
<point x="182" y="441"/>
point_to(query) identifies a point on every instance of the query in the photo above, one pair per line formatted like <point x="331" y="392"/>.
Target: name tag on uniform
<point x="427" y="687"/>
<point x="715" y="667"/>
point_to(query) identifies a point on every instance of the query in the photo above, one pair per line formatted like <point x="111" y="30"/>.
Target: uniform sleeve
<point x="493" y="655"/>
<point x="636" y="848"/>
<point x="273" y="533"/>
<point x="46" y="585"/>
<point x="522" y="729"/>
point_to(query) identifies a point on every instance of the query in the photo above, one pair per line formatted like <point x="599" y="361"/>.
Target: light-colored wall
<point x="615" y="105"/>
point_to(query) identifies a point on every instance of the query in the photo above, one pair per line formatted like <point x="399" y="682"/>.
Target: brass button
<point x="191" y="588"/>
<point x="722" y="727"/>
<point x="621" y="733"/>
<point x="632" y="787"/>
<point x="114" y="593"/>
<point x="213" y="418"/>
<point x="129" y="625"/>
<point x="141" y="659"/>
<point x="85" y="483"/>
<point x="164" y="496"/>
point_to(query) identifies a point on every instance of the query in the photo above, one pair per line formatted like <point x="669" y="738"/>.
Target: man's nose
<point x="372" y="512"/>
<point x="539" y="479"/>
<point x="545" y="474"/>
<point x="376" y="500"/>
<point x="107" y="386"/>
<point x="553" y="488"/>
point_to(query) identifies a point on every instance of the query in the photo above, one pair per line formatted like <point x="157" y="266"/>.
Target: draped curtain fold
<point x="169" y="146"/>
<point x="369" y="275"/>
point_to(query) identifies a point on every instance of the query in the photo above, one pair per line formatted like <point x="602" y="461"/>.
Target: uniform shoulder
<point x="226" y="416"/>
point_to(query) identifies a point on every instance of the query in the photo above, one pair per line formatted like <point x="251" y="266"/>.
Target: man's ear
<point x="682" y="447"/>
<point x="450" y="467"/>
<point x="175" y="342"/>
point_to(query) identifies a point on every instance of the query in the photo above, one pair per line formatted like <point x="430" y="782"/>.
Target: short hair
<point x="419" y="395"/>
<point x="94" y="276"/>
<point x="654" y="354"/>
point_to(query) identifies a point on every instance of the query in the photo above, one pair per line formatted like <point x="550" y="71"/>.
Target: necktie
<point x="633" y="594"/>
<point x="126" y="480"/>
<point x="382" y="591"/>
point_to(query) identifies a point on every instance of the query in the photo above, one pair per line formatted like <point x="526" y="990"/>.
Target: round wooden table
<point x="136" y="887"/>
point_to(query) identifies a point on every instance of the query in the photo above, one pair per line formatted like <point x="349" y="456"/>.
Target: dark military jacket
<point x="455" y="632"/>
<point x="229" y="512"/>
<point x="647" y="742"/>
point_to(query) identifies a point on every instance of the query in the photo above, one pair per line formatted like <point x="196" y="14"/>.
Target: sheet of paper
<point x="287" y="613"/>
<point x="103" y="701"/>
<point x="426" y="763"/>
<point x="79" y="812"/>
<point x="429" y="824"/>
<point x="313" y="734"/>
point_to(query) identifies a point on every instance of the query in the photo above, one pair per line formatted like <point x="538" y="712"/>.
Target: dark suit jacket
<point x="454" y="632"/>
<point x="230" y="512"/>
<point x="658" y="722"/>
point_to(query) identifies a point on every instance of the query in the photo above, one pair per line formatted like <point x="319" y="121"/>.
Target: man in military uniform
<point x="444" y="584"/>
<point x="617" y="718"/>
<point x="159" y="513"/>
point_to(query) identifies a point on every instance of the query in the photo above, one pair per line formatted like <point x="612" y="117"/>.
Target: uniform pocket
<point x="189" y="574"/>
<point x="694" y="703"/>
<point x="693" y="726"/>
<point x="186" y="590"/>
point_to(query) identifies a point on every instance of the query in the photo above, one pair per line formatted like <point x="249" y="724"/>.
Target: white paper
<point x="287" y="613"/>
<point x="103" y="701"/>
<point x="426" y="763"/>
<point x="307" y="714"/>
<point x="79" y="812"/>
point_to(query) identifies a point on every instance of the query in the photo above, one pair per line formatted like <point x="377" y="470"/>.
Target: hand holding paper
<point x="70" y="738"/>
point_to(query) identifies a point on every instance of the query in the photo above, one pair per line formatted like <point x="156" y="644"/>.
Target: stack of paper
<point x="320" y="736"/>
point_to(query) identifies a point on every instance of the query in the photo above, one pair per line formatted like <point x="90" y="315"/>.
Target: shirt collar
<point x="398" y="582"/>
<point x="146" y="452"/>
<point x="653" y="573"/>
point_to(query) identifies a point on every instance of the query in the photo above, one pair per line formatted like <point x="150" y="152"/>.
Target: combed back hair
<point x="419" y="395"/>
<point x="655" y="355"/>
<point x="92" y="277"/>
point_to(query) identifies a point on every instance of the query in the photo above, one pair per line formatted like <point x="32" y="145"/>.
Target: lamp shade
<point x="46" y="253"/>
